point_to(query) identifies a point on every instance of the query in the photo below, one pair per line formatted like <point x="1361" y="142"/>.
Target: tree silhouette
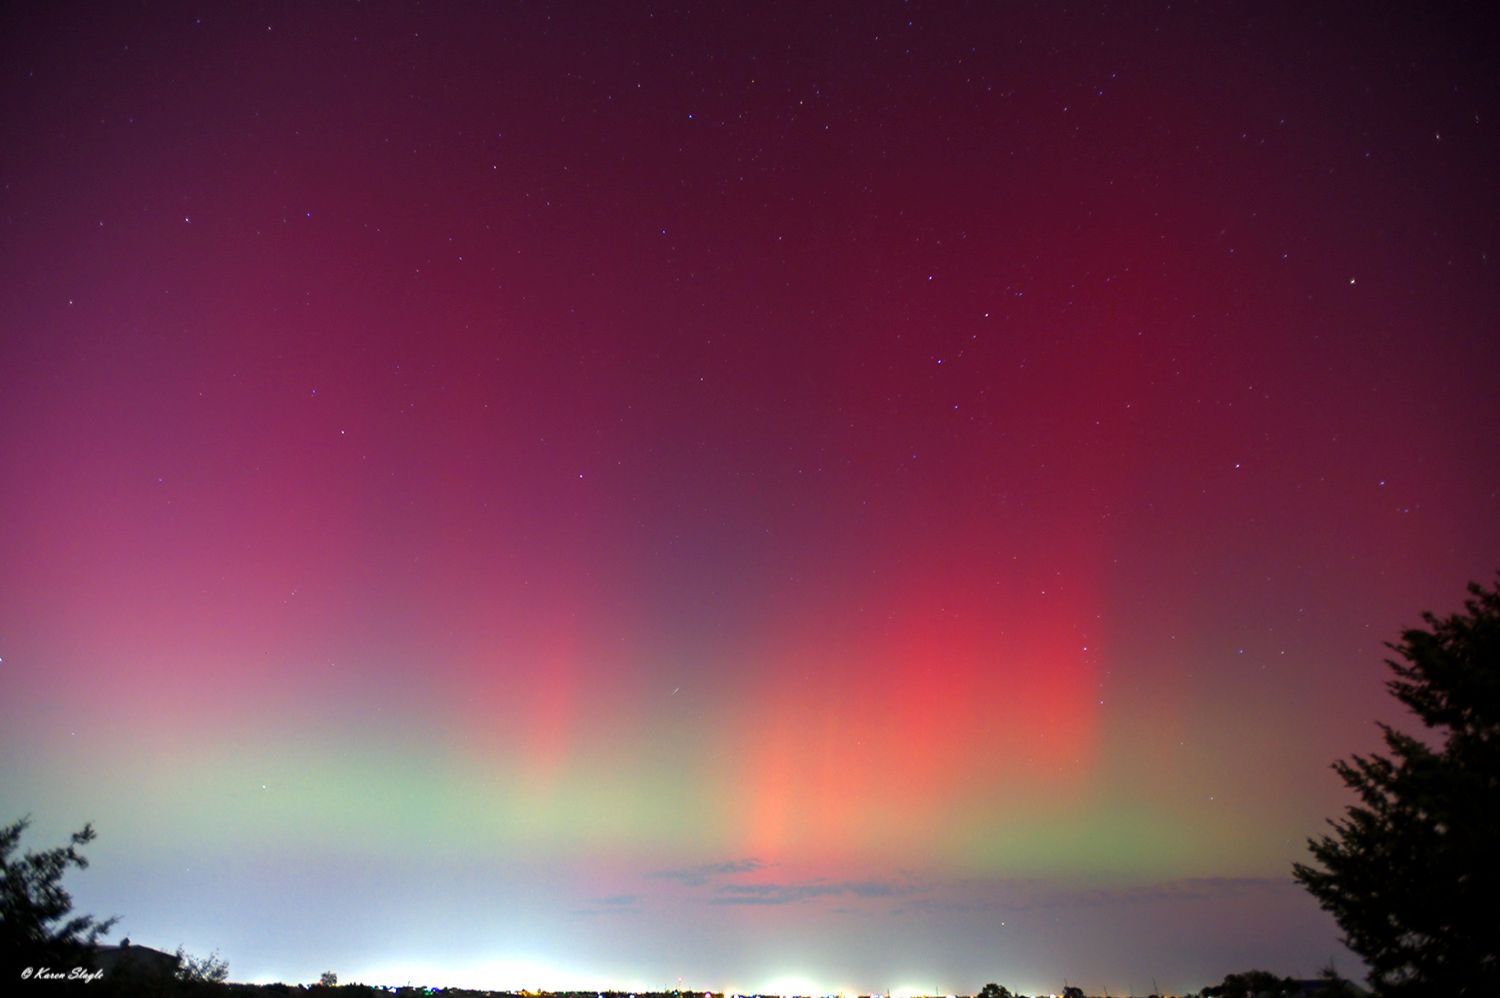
<point x="1334" y="985"/>
<point x="994" y="991"/>
<point x="35" y="927"/>
<point x="211" y="969"/>
<point x="1251" y="984"/>
<point x="1410" y="872"/>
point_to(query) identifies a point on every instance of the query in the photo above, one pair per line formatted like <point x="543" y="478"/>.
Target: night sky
<point x="788" y="497"/>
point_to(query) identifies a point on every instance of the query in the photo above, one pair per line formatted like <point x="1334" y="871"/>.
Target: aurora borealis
<point x="767" y="497"/>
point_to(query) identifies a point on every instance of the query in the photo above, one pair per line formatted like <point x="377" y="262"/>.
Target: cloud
<point x="721" y="890"/>
<point x="907" y="894"/>
<point x="791" y="893"/>
<point x="933" y="904"/>
<point x="1184" y="889"/>
<point x="1029" y="895"/>
<point x="619" y="900"/>
<point x="697" y="876"/>
<point x="614" y="904"/>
